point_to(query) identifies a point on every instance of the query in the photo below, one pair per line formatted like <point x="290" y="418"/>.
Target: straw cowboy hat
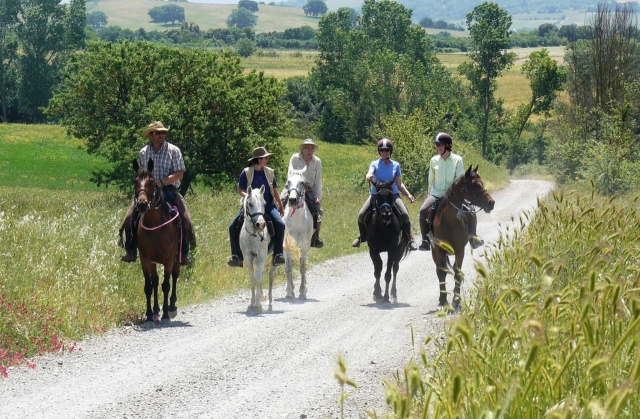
<point x="259" y="152"/>
<point x="153" y="127"/>
<point x="308" y="141"/>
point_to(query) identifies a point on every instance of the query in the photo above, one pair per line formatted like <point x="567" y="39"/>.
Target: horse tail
<point x="290" y="245"/>
<point x="121" y="241"/>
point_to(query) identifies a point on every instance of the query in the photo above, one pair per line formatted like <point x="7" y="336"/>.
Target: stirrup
<point x="186" y="260"/>
<point x="128" y="258"/>
<point x="317" y="243"/>
<point x="425" y="245"/>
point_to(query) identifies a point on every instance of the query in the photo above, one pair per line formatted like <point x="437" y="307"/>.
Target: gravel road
<point x="216" y="361"/>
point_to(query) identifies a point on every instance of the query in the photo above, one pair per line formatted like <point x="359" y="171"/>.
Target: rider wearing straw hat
<point x="306" y="160"/>
<point x="168" y="169"/>
<point x="257" y="174"/>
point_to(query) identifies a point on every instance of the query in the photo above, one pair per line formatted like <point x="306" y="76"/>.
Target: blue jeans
<point x="278" y="225"/>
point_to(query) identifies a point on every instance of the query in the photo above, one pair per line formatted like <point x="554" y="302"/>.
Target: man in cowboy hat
<point x="313" y="176"/>
<point x="257" y="174"/>
<point x="168" y="169"/>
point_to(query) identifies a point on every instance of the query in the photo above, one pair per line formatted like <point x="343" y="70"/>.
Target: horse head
<point x="145" y="189"/>
<point x="254" y="207"/>
<point x="384" y="201"/>
<point x="473" y="190"/>
<point x="296" y="185"/>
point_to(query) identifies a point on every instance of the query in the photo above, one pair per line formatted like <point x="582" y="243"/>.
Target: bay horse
<point x="450" y="228"/>
<point x="254" y="243"/>
<point x="384" y="234"/>
<point x="158" y="242"/>
<point x="297" y="241"/>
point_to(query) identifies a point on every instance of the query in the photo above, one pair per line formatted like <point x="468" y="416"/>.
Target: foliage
<point x="217" y="113"/>
<point x="305" y="105"/>
<point x="315" y="8"/>
<point x="383" y="64"/>
<point x="167" y="13"/>
<point x="250" y="5"/>
<point x="245" y="47"/>
<point x="242" y="18"/>
<point x="555" y="326"/>
<point x="97" y="19"/>
<point x="488" y="26"/>
<point x="8" y="48"/>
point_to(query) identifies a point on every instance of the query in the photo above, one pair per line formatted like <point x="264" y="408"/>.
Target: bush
<point x="245" y="47"/>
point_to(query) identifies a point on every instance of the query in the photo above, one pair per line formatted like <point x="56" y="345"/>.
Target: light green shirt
<point x="443" y="172"/>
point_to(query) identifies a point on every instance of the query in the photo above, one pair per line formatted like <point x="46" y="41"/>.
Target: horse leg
<point x="394" y="295"/>
<point x="166" y="287"/>
<point x="303" y="277"/>
<point x="387" y="278"/>
<point x="459" y="276"/>
<point x="257" y="303"/>
<point x="248" y="262"/>
<point x="155" y="282"/>
<point x="175" y="273"/>
<point x="288" y="267"/>
<point x="148" y="289"/>
<point x="440" y="260"/>
<point x="272" y="277"/>
<point x="377" y="271"/>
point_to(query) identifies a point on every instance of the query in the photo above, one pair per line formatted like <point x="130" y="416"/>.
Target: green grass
<point x="134" y="14"/>
<point x="554" y="328"/>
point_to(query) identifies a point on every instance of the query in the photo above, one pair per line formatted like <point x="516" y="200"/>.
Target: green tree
<point x="168" y="13"/>
<point x="488" y="26"/>
<point x="217" y="113"/>
<point x="242" y="18"/>
<point x="47" y="31"/>
<point x="8" y="46"/>
<point x="97" y="19"/>
<point x="250" y="5"/>
<point x="245" y="47"/>
<point x="546" y="79"/>
<point x="383" y="64"/>
<point x="315" y="8"/>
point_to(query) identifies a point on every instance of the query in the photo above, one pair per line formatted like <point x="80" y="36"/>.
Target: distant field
<point x="133" y="15"/>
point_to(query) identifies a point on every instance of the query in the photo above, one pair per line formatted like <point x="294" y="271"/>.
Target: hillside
<point x="133" y="15"/>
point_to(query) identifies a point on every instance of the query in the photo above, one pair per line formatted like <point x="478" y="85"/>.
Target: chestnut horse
<point x="384" y="234"/>
<point x="450" y="228"/>
<point x="158" y="242"/>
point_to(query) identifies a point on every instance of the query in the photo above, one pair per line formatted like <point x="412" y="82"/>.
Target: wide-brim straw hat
<point x="259" y="152"/>
<point x="308" y="141"/>
<point x="153" y="127"/>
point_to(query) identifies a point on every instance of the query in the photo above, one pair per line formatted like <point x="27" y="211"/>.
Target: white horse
<point x="297" y="242"/>
<point x="254" y="243"/>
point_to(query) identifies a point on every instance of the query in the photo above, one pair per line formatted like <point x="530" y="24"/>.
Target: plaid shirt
<point x="165" y="162"/>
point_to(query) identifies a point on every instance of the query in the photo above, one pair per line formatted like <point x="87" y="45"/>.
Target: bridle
<point x="157" y="195"/>
<point x="250" y="216"/>
<point x="467" y="206"/>
<point x="299" y="199"/>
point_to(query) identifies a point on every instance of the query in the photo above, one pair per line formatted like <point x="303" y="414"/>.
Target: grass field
<point x="134" y="14"/>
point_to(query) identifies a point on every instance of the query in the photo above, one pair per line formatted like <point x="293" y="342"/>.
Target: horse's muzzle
<point x="142" y="206"/>
<point x="489" y="207"/>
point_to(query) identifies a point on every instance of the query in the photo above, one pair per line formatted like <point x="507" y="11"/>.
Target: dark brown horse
<point x="158" y="242"/>
<point x="450" y="228"/>
<point x="384" y="234"/>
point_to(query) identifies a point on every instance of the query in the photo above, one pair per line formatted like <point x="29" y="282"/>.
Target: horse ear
<point x="136" y="166"/>
<point x="476" y="169"/>
<point x="249" y="190"/>
<point x="468" y="172"/>
<point x="262" y="189"/>
<point x="150" y="165"/>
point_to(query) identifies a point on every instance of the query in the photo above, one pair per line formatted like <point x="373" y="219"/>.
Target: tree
<point x="217" y="113"/>
<point x="47" y="31"/>
<point x="245" y="47"/>
<point x="250" y="5"/>
<point x="488" y="26"/>
<point x="8" y="46"/>
<point x="546" y="80"/>
<point x="315" y="8"/>
<point x="242" y="18"/>
<point x="168" y="13"/>
<point x="97" y="19"/>
<point x="364" y="72"/>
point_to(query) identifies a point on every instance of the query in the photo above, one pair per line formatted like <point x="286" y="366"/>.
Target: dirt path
<point x="215" y="361"/>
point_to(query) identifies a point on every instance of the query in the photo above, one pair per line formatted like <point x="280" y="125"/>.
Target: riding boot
<point x="406" y="231"/>
<point x="363" y="235"/>
<point x="424" y="231"/>
<point x="186" y="259"/>
<point x="316" y="241"/>
<point x="130" y="246"/>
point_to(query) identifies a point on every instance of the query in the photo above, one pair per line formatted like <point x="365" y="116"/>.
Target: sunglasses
<point x="438" y="144"/>
<point x="158" y="133"/>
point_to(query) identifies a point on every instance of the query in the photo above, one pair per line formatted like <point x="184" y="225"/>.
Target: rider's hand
<point x="317" y="201"/>
<point x="281" y="210"/>
<point x="369" y="177"/>
<point x="411" y="198"/>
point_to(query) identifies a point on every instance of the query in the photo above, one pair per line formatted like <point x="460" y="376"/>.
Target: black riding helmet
<point x="385" y="144"/>
<point x="443" y="138"/>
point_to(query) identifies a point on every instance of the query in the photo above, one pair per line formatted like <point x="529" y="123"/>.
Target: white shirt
<point x="442" y="173"/>
<point x="313" y="175"/>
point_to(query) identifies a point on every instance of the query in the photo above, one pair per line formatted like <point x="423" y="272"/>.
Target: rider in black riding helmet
<point x="444" y="168"/>
<point x="386" y="169"/>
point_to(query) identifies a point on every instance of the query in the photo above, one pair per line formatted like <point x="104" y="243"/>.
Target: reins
<point x="465" y="202"/>
<point x="248" y="216"/>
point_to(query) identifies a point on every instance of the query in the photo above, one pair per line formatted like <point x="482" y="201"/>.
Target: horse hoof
<point x="302" y="297"/>
<point x="173" y="314"/>
<point x="156" y="319"/>
<point x="290" y="296"/>
<point x="394" y="300"/>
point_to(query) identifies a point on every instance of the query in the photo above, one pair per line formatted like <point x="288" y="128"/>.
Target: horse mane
<point x="448" y="195"/>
